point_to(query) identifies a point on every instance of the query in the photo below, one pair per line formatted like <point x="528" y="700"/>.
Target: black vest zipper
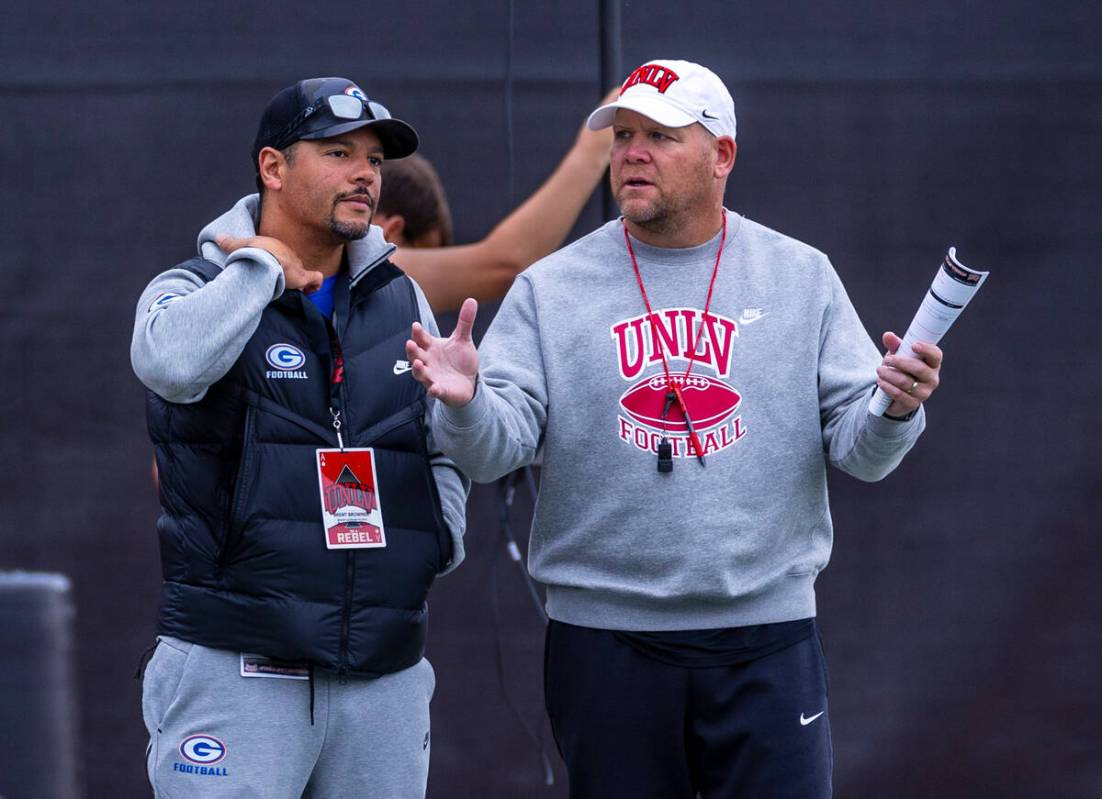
<point x="336" y="398"/>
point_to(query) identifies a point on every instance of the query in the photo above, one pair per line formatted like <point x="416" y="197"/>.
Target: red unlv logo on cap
<point x="655" y="75"/>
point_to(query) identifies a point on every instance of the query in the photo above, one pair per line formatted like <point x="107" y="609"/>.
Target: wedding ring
<point x="914" y="385"/>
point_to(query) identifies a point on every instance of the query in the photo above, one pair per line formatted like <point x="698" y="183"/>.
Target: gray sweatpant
<point x="214" y="733"/>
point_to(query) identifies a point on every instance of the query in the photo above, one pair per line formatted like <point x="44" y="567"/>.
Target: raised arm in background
<point x="485" y="269"/>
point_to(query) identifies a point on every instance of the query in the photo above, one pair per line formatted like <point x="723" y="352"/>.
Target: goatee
<point x="349" y="231"/>
<point x="656" y="218"/>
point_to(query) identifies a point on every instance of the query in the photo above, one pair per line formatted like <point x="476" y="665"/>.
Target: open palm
<point x="446" y="367"/>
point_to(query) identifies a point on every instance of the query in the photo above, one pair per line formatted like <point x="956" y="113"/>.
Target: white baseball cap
<point x="674" y="94"/>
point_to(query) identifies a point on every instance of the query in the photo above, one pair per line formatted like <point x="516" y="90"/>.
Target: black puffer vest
<point x="243" y="554"/>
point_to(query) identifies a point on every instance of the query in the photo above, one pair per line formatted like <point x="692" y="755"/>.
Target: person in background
<point x="413" y="213"/>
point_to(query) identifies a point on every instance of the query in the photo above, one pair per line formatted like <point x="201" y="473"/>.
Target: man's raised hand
<point x="447" y="367"/>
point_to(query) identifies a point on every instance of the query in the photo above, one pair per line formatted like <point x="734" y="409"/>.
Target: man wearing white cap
<point x="687" y="374"/>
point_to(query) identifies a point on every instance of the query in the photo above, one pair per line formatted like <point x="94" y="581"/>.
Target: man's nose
<point x="367" y="172"/>
<point x="636" y="150"/>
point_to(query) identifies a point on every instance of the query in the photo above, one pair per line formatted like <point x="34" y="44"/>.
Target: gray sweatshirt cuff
<point x="882" y="427"/>
<point x="264" y="259"/>
<point x="468" y="416"/>
<point x="455" y="529"/>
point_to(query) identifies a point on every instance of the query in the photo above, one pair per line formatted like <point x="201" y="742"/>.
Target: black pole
<point x="510" y="155"/>
<point x="38" y="696"/>
<point x="611" y="74"/>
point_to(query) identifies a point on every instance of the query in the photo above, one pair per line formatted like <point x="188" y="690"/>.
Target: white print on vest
<point x="288" y="361"/>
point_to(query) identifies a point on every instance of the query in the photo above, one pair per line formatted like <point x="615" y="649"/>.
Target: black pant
<point x="630" y="727"/>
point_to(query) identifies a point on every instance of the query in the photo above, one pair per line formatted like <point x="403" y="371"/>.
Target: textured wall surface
<point x="959" y="611"/>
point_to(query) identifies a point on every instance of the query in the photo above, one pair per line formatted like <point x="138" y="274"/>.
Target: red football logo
<point x="709" y="401"/>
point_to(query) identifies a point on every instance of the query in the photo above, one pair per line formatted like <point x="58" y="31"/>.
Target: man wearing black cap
<point x="287" y="429"/>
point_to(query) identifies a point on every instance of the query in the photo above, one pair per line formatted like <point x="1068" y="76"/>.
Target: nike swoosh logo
<point x="805" y="721"/>
<point x="706" y="115"/>
<point x="401" y="367"/>
<point x="751" y="315"/>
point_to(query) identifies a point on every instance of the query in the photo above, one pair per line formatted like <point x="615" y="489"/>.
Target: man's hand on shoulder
<point x="447" y="367"/>
<point x="295" y="275"/>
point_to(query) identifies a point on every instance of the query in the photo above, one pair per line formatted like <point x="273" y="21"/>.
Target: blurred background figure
<point x="414" y="214"/>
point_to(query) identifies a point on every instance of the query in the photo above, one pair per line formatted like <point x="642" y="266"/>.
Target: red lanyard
<point x="673" y="387"/>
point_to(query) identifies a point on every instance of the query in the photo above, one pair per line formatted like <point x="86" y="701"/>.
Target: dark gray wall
<point x="960" y="608"/>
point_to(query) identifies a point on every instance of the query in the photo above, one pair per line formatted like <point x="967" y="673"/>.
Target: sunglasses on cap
<point x="341" y="106"/>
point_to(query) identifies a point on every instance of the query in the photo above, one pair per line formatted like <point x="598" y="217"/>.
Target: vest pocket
<point x="242" y="486"/>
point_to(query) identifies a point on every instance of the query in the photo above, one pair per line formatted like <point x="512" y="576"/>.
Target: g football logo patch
<point x="286" y="357"/>
<point x="204" y="750"/>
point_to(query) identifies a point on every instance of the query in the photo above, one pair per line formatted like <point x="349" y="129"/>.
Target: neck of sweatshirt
<point x="679" y="256"/>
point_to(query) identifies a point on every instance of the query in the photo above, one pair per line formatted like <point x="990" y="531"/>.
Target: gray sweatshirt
<point x="780" y="386"/>
<point x="187" y="333"/>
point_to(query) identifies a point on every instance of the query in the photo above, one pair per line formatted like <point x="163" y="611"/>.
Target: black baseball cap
<point x="318" y="108"/>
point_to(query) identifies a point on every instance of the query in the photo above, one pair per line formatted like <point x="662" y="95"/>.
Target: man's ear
<point x="394" y="228"/>
<point x="726" y="149"/>
<point x="271" y="164"/>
